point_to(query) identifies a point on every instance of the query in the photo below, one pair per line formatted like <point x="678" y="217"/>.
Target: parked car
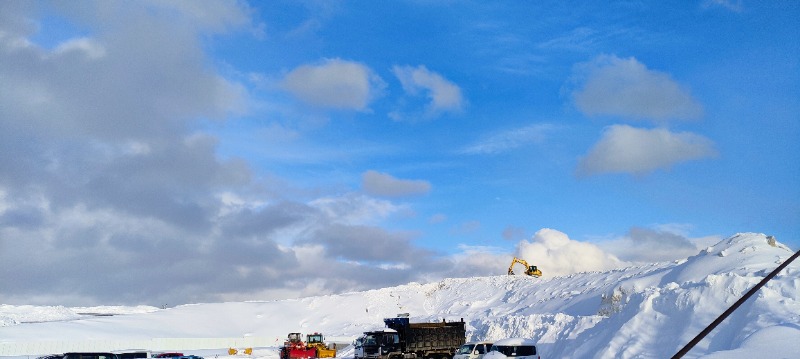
<point x="473" y="350"/>
<point x="520" y="348"/>
<point x="90" y="355"/>
<point x="51" y="356"/>
<point x="168" y="355"/>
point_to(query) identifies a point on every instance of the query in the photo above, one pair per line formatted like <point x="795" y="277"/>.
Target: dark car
<point x="168" y="355"/>
<point x="90" y="355"/>
<point x="51" y="356"/>
<point x="134" y="354"/>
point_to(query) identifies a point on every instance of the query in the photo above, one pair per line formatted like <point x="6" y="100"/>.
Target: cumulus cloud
<point x="334" y="83"/>
<point x="650" y="245"/>
<point x="384" y="185"/>
<point x="626" y="149"/>
<point x="556" y="254"/>
<point x="444" y="95"/>
<point x="510" y="139"/>
<point x="611" y="86"/>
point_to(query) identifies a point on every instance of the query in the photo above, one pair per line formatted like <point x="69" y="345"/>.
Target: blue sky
<point x="235" y="148"/>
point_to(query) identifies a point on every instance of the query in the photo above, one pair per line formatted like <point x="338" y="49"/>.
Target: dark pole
<point x="730" y="310"/>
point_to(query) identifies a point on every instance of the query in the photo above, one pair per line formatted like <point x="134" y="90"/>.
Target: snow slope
<point x="647" y="311"/>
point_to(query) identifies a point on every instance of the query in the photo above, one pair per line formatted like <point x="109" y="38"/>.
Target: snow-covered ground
<point x="646" y="311"/>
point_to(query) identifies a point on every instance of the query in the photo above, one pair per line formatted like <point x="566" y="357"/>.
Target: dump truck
<point x="295" y="348"/>
<point x="402" y="339"/>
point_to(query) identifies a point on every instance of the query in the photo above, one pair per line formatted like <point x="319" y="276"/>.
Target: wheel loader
<point x="294" y="348"/>
<point x="529" y="269"/>
<point x="316" y="341"/>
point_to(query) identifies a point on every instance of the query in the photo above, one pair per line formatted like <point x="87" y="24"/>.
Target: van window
<point x="515" y="350"/>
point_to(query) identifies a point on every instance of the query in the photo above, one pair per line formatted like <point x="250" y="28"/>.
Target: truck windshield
<point x="466" y="349"/>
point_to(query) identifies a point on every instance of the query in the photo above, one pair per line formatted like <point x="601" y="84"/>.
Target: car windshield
<point x="515" y="350"/>
<point x="465" y="349"/>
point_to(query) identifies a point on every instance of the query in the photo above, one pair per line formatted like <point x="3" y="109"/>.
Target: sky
<point x="171" y="152"/>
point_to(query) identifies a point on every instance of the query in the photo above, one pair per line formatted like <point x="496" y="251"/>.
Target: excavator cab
<point x="532" y="270"/>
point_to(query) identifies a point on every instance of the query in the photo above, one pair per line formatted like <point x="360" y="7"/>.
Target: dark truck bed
<point x="440" y="339"/>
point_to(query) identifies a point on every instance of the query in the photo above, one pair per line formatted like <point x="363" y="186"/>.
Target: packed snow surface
<point x="645" y="311"/>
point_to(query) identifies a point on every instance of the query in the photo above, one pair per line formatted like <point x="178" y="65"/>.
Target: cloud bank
<point x="556" y="254"/>
<point x="649" y="246"/>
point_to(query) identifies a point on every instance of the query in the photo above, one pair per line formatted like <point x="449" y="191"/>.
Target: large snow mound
<point x="647" y="311"/>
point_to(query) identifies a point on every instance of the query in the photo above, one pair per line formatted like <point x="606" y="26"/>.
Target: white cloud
<point x="625" y="87"/>
<point x="648" y="246"/>
<point x="354" y="209"/>
<point x="511" y="139"/>
<point x="90" y="48"/>
<point x="444" y="95"/>
<point x="382" y="184"/>
<point x="335" y="83"/>
<point x="556" y="254"/>
<point x="625" y="149"/>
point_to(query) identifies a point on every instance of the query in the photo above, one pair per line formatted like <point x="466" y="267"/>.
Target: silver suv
<point x="473" y="350"/>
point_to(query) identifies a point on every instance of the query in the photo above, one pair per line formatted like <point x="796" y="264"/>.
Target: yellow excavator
<point x="529" y="270"/>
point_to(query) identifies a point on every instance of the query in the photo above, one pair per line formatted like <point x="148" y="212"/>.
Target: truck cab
<point x="378" y="343"/>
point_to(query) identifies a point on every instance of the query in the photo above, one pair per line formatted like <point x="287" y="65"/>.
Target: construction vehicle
<point x="294" y="348"/>
<point x="529" y="270"/>
<point x="317" y="342"/>
<point x="404" y="340"/>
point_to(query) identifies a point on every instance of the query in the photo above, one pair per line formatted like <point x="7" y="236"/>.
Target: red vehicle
<point x="295" y="348"/>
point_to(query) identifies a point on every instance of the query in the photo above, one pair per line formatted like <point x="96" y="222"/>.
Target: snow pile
<point x="13" y="315"/>
<point x="647" y="311"/>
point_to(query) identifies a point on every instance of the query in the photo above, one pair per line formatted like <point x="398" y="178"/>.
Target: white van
<point x="473" y="350"/>
<point x="519" y="348"/>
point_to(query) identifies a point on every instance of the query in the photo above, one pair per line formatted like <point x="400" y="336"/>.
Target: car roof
<point x="515" y="341"/>
<point x="480" y="342"/>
